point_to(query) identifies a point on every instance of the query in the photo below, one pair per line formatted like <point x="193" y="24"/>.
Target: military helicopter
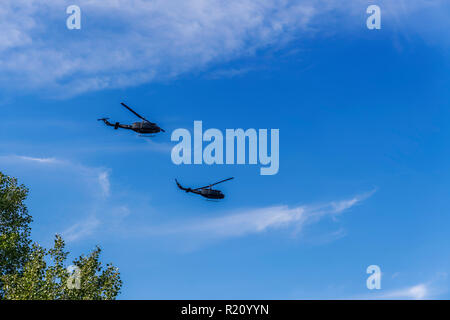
<point x="143" y="127"/>
<point x="206" y="191"/>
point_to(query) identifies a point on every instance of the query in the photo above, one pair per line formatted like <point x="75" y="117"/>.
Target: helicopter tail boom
<point x="105" y="120"/>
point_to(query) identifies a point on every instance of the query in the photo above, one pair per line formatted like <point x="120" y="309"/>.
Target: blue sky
<point x="363" y="114"/>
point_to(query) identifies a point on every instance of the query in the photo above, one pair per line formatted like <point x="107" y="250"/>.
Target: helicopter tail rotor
<point x="183" y="188"/>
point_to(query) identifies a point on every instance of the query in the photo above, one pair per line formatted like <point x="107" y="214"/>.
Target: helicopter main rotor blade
<point x="210" y="185"/>
<point x="135" y="113"/>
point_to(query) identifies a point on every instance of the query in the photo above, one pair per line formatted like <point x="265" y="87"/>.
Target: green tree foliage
<point x="14" y="227"/>
<point x="29" y="271"/>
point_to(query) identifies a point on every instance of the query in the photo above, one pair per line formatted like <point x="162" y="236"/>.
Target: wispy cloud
<point x="95" y="180"/>
<point x="38" y="160"/>
<point x="195" y="233"/>
<point x="103" y="180"/>
<point x="81" y="229"/>
<point x="96" y="176"/>
<point x="130" y="42"/>
<point x="433" y="288"/>
<point x="254" y="221"/>
<point x="146" y="40"/>
<point x="420" y="291"/>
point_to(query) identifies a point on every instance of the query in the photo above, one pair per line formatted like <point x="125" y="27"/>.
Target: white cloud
<point x="420" y="291"/>
<point x="431" y="289"/>
<point x="193" y="232"/>
<point x="130" y="42"/>
<point x="103" y="180"/>
<point x="100" y="209"/>
<point x="39" y="160"/>
<point x="81" y="229"/>
<point x="91" y="175"/>
<point x="254" y="221"/>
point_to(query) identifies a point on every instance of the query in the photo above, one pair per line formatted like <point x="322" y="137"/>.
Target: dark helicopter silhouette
<point x="143" y="127"/>
<point x="206" y="191"/>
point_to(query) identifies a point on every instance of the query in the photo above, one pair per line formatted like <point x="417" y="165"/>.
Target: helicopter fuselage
<point x="211" y="193"/>
<point x="207" y="193"/>
<point x="145" y="127"/>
